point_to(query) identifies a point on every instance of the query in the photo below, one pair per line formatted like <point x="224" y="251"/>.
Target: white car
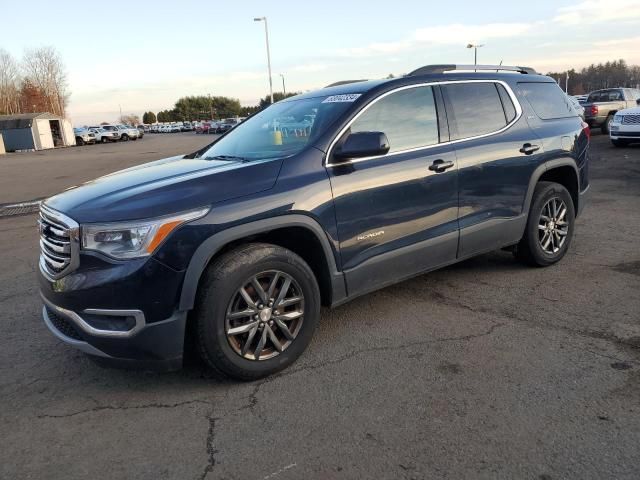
<point x="625" y="127"/>
<point x="175" y="128"/>
<point x="128" y="133"/>
<point x="104" y="136"/>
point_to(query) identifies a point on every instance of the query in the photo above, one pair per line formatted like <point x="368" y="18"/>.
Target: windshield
<point x="281" y="130"/>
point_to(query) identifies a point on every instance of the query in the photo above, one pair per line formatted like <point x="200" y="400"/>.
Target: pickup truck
<point x="602" y="105"/>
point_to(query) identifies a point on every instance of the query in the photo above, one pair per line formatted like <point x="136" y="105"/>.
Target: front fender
<point x="206" y="251"/>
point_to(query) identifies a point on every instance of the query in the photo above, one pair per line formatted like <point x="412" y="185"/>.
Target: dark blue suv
<point x="313" y="201"/>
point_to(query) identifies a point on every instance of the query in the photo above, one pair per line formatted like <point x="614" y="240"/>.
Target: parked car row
<point x="170" y="127"/>
<point x="218" y="126"/>
<point x="107" y="133"/>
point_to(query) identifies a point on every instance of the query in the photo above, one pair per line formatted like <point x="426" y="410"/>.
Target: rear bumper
<point x="595" y="122"/>
<point x="156" y="346"/>
<point x="583" y="200"/>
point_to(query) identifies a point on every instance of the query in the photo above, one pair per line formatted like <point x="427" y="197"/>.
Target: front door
<point x="397" y="214"/>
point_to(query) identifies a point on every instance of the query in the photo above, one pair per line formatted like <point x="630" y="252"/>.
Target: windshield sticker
<point x="347" y="98"/>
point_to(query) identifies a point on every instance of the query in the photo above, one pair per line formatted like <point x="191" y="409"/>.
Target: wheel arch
<point x="299" y="233"/>
<point x="561" y="170"/>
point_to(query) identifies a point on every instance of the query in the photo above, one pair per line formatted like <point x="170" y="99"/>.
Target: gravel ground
<point x="486" y="369"/>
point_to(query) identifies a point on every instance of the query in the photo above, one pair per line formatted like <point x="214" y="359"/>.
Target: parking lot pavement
<point x="487" y="369"/>
<point x="34" y="175"/>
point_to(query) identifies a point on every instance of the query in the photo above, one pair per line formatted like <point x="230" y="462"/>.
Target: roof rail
<point x="345" y="82"/>
<point x="474" y="68"/>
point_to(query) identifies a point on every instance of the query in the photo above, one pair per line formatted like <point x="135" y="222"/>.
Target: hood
<point x="631" y="111"/>
<point x="164" y="187"/>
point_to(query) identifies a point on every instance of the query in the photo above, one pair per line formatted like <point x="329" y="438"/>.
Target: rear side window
<point x="605" y="96"/>
<point x="475" y="108"/>
<point x="547" y="100"/>
<point x="408" y="118"/>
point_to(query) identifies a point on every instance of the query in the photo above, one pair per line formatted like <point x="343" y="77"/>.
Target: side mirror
<point x="363" y="144"/>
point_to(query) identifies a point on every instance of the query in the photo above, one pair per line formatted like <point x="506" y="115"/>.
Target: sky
<point x="144" y="55"/>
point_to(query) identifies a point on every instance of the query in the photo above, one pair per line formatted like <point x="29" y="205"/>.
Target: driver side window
<point x="407" y="117"/>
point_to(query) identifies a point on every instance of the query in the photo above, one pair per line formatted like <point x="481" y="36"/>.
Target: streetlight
<point x="475" y="52"/>
<point x="266" y="34"/>
<point x="284" y="90"/>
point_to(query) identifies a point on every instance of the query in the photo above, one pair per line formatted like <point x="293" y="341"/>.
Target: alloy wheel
<point x="553" y="227"/>
<point x="265" y="315"/>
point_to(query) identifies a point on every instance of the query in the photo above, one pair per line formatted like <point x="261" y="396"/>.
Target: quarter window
<point x="475" y="109"/>
<point x="547" y="100"/>
<point x="509" y="108"/>
<point x="408" y="118"/>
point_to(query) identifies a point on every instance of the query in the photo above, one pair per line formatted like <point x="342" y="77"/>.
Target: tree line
<point x="206" y="107"/>
<point x="36" y="83"/>
<point x="603" y="75"/>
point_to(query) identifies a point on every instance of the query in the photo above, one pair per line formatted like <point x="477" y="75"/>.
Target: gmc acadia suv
<point x="241" y="242"/>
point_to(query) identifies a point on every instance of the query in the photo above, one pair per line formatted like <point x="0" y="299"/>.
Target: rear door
<point x="397" y="213"/>
<point x="497" y="153"/>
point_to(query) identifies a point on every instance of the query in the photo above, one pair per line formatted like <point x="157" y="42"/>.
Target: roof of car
<point x="361" y="87"/>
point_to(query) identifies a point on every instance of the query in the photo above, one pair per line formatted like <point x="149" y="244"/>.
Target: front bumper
<point x="620" y="131"/>
<point x="122" y="311"/>
<point x="157" y="346"/>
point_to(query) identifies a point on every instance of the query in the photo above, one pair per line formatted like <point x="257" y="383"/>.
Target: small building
<point x="35" y="131"/>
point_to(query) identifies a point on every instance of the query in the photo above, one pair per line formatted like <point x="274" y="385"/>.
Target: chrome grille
<point x="631" y="119"/>
<point x="58" y="243"/>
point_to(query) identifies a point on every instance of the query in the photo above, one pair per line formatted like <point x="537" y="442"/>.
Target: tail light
<point x="586" y="129"/>
<point x="593" y="110"/>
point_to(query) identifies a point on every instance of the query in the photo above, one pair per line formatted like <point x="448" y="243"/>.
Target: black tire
<point x="218" y="287"/>
<point x="605" y="126"/>
<point x="530" y="249"/>
<point x="79" y="141"/>
<point x="104" y="140"/>
<point x="134" y="138"/>
<point x="620" y="143"/>
<point x="124" y="138"/>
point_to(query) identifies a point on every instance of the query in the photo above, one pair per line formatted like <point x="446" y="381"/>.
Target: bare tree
<point x="130" y="119"/>
<point x="9" y="84"/>
<point x="44" y="68"/>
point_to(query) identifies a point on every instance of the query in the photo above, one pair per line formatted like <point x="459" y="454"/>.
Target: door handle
<point x="440" y="165"/>
<point x="528" y="149"/>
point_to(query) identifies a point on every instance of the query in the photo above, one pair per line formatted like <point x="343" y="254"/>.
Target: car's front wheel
<point x="549" y="227"/>
<point x="124" y="138"/>
<point x="258" y="306"/>
<point x="79" y="141"/>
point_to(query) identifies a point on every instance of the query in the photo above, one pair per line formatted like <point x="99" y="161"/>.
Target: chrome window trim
<point x="138" y="315"/>
<point x="506" y="86"/>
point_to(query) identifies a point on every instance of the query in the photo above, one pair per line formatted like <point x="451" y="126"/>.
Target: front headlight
<point x="135" y="239"/>
<point x="617" y="119"/>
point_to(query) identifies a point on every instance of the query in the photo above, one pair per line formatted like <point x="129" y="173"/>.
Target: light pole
<point x="266" y="34"/>
<point x="284" y="90"/>
<point x="475" y="51"/>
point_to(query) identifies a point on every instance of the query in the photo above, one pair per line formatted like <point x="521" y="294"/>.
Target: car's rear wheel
<point x="258" y="306"/>
<point x="549" y="227"/>
<point x="606" y="126"/>
<point x="620" y="143"/>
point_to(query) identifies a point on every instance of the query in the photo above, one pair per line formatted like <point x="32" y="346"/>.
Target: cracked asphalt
<point x="487" y="369"/>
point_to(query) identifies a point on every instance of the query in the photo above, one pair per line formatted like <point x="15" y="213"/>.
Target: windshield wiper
<point x="228" y="158"/>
